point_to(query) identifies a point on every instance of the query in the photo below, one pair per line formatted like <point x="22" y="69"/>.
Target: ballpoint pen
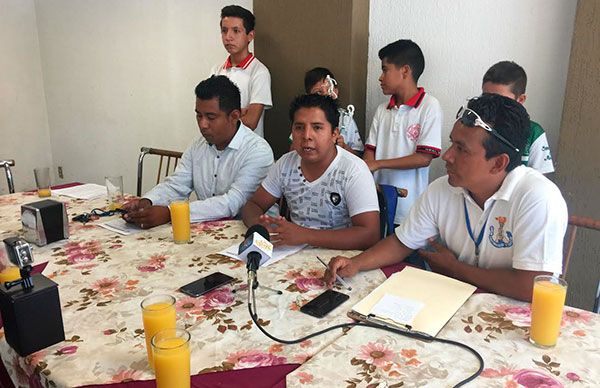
<point x="337" y="277"/>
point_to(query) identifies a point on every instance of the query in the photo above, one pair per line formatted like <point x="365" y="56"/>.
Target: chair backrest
<point x="597" y="301"/>
<point x="574" y="223"/>
<point x="164" y="154"/>
<point x="387" y="196"/>
<point x="7" y="164"/>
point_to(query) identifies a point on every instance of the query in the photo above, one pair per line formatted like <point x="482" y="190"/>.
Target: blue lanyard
<point x="471" y="234"/>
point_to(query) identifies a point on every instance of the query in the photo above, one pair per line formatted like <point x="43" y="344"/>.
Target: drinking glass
<point x="158" y="313"/>
<point x="171" y="352"/>
<point x="549" y="293"/>
<point x="42" y="181"/>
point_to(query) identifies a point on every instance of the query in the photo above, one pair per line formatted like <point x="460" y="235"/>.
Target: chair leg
<point x="569" y="250"/>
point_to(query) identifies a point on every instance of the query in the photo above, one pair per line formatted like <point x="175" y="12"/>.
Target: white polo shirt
<point x="253" y="80"/>
<point x="398" y="131"/>
<point x="525" y="223"/>
<point x="344" y="190"/>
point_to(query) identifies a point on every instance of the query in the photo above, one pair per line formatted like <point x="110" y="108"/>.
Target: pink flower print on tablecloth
<point x="519" y="315"/>
<point x="155" y="263"/>
<point x="308" y="284"/>
<point x="575" y="316"/>
<point x="126" y="375"/>
<point x="78" y="252"/>
<point x="254" y="358"/>
<point x="375" y="353"/>
<point x="189" y="305"/>
<point x="534" y="379"/>
<point x="106" y="286"/>
<point x="219" y="299"/>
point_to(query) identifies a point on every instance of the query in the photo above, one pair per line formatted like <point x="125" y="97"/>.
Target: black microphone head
<point x="258" y="229"/>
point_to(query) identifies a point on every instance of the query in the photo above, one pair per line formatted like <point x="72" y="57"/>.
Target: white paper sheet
<point x="278" y="252"/>
<point x="119" y="225"/>
<point x="86" y="191"/>
<point x="397" y="309"/>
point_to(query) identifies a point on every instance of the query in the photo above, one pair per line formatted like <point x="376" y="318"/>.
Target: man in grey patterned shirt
<point x="330" y="191"/>
<point x="223" y="167"/>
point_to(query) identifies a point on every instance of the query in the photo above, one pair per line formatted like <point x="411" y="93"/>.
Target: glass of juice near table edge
<point x="180" y="219"/>
<point x="42" y="181"/>
<point x="171" y="354"/>
<point x="549" y="293"/>
<point x="158" y="313"/>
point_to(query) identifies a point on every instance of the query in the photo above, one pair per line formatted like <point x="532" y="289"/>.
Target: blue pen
<point x="337" y="277"/>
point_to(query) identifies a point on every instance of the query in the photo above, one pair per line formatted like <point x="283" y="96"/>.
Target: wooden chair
<point x="175" y="155"/>
<point x="7" y="164"/>
<point x="574" y="223"/>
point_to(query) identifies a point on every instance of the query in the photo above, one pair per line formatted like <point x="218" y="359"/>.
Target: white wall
<point x="461" y="39"/>
<point x="24" y="134"/>
<point x="121" y="74"/>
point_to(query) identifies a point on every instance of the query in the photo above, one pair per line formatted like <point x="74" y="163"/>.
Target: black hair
<point x="315" y="75"/>
<point x="327" y="104"/>
<point x="404" y="52"/>
<point x="507" y="117"/>
<point x="507" y="73"/>
<point x="242" y="13"/>
<point x="222" y="88"/>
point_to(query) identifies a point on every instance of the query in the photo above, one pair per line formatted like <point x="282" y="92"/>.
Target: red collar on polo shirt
<point x="414" y="101"/>
<point x="243" y="64"/>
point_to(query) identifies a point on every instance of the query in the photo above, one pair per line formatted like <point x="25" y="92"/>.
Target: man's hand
<point x="147" y="216"/>
<point x="282" y="231"/>
<point x="136" y="204"/>
<point x="342" y="266"/>
<point x="373" y="165"/>
<point x="442" y="260"/>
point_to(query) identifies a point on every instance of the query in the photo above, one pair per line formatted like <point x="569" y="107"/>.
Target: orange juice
<point x="547" y="303"/>
<point x="157" y="316"/>
<point x="180" y="219"/>
<point x="172" y="359"/>
<point x="9" y="274"/>
<point x="114" y="206"/>
<point x="44" y="193"/>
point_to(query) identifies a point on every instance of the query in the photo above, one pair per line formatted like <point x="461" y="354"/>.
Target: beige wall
<point x="24" y="133"/>
<point x="578" y="173"/>
<point x="295" y="36"/>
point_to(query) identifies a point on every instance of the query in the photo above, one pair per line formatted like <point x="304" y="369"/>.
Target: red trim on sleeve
<point x="429" y="150"/>
<point x="370" y="147"/>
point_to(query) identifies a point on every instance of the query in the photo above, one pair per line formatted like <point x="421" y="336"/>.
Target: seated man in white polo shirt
<point x="330" y="191"/>
<point x="223" y="167"/>
<point x="500" y="223"/>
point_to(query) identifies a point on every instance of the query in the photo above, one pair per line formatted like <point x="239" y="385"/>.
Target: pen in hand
<point x="337" y="277"/>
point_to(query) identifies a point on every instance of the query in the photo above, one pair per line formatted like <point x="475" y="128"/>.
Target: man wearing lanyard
<point x="490" y="222"/>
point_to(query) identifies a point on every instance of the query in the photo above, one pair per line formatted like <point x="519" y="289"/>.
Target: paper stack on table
<point x="121" y="226"/>
<point x="85" y="191"/>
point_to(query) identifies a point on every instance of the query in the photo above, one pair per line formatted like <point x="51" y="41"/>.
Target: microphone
<point x="256" y="248"/>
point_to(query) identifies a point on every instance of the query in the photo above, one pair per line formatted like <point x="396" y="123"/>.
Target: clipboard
<point x="441" y="296"/>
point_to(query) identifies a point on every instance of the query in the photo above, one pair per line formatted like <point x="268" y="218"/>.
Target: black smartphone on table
<point x="324" y="303"/>
<point x="206" y="284"/>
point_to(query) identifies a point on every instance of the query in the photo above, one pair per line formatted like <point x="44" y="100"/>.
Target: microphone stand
<point x="252" y="265"/>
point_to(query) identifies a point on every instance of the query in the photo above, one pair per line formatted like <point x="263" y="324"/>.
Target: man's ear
<point x="521" y="98"/>
<point x="500" y="163"/>
<point x="235" y="115"/>
<point x="336" y="133"/>
<point x="250" y="36"/>
<point x="406" y="71"/>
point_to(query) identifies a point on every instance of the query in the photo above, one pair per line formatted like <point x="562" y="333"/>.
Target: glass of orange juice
<point x="180" y="219"/>
<point x="549" y="293"/>
<point x="42" y="181"/>
<point x="171" y="352"/>
<point x="158" y="313"/>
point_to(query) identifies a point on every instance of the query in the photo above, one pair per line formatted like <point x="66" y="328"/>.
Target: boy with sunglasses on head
<point x="500" y="224"/>
<point x="510" y="80"/>
<point x="406" y="132"/>
<point x="330" y="192"/>
<point x="322" y="81"/>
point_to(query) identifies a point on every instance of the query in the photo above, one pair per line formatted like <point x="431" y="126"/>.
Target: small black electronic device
<point x="324" y="303"/>
<point x="205" y="284"/>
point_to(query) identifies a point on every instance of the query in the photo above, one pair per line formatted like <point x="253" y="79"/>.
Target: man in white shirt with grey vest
<point x="500" y="223"/>
<point x="223" y="167"/>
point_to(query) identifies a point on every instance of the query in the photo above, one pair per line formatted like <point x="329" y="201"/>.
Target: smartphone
<point x="324" y="303"/>
<point x="205" y="284"/>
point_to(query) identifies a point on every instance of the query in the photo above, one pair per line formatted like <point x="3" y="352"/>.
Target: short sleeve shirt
<point x="344" y="190"/>
<point x="537" y="151"/>
<point x="524" y="223"/>
<point x="254" y="81"/>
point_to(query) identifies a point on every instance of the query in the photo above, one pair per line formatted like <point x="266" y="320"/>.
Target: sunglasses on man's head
<point x="470" y="118"/>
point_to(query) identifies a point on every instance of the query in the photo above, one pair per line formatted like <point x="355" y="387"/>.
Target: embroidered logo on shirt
<point x="335" y="198"/>
<point x="413" y="132"/>
<point x="500" y="238"/>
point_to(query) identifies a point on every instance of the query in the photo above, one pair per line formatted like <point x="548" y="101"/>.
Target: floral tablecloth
<point x="103" y="277"/>
<point x="495" y="326"/>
